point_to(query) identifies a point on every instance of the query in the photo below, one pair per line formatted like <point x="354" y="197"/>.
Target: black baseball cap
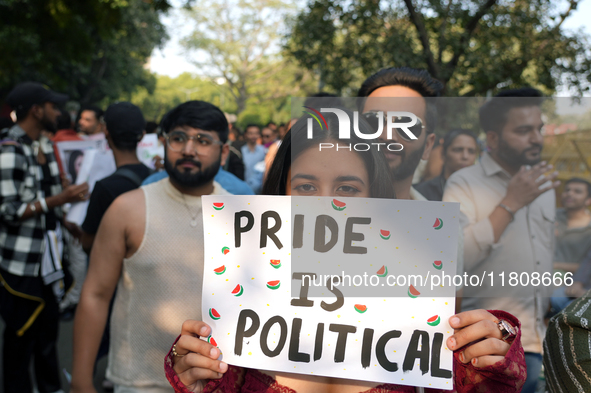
<point x="125" y="121"/>
<point x="26" y="94"/>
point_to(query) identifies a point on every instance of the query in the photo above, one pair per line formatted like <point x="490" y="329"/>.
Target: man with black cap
<point x="125" y="125"/>
<point x="32" y="281"/>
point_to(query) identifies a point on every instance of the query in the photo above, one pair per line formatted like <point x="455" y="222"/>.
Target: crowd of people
<point x="130" y="274"/>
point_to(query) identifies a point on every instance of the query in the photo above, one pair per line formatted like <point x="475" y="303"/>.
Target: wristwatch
<point x="509" y="332"/>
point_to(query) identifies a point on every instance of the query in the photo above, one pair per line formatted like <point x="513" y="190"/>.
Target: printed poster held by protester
<point x="346" y="287"/>
<point x="97" y="165"/>
<point x="72" y="156"/>
<point x="94" y="162"/>
<point x="148" y="148"/>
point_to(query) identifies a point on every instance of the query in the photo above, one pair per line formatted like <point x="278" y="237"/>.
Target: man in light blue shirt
<point x="252" y="155"/>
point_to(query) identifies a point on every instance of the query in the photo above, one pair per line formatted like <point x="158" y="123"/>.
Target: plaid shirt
<point x="22" y="242"/>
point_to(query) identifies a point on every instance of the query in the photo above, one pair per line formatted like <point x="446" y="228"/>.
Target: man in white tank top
<point x="150" y="246"/>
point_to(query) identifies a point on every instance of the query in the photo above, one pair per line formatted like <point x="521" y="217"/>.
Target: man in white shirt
<point x="508" y="207"/>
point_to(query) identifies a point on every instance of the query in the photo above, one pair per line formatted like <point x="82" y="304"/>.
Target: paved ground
<point x="65" y="356"/>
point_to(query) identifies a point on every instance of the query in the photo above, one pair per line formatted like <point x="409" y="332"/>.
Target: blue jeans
<point x="534" y="366"/>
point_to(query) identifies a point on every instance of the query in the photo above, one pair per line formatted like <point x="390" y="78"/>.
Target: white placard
<point x="72" y="156"/>
<point x="258" y="250"/>
<point x="97" y="165"/>
<point x="148" y="148"/>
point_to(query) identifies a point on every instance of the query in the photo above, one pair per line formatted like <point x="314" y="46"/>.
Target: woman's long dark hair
<point x="72" y="164"/>
<point x="296" y="142"/>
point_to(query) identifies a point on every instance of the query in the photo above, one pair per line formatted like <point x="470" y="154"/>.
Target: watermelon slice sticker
<point x="225" y="250"/>
<point x="338" y="205"/>
<point x="360" y="308"/>
<point x="438" y="265"/>
<point x="238" y="291"/>
<point x="385" y="234"/>
<point x="412" y="292"/>
<point x="212" y="341"/>
<point x="438" y="224"/>
<point x="218" y="206"/>
<point x="220" y="270"/>
<point x="273" y="284"/>
<point x="276" y="263"/>
<point x="213" y="314"/>
<point x="383" y="272"/>
<point x="434" y="320"/>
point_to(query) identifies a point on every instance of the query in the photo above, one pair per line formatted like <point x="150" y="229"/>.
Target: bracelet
<point x="508" y="209"/>
<point x="174" y="352"/>
<point x="43" y="204"/>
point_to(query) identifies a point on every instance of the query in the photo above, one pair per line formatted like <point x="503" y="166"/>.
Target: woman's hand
<point x="198" y="360"/>
<point x="481" y="327"/>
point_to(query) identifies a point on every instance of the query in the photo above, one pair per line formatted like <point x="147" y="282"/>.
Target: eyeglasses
<point x="203" y="143"/>
<point x="373" y="119"/>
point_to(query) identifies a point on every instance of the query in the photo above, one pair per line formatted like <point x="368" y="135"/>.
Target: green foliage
<point x="236" y="43"/>
<point x="472" y="46"/>
<point x="250" y="117"/>
<point x="170" y="92"/>
<point x="93" y="50"/>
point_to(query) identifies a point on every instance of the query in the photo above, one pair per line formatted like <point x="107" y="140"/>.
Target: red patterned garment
<point x="506" y="376"/>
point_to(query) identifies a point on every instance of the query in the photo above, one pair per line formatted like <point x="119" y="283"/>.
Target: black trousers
<point x="38" y="343"/>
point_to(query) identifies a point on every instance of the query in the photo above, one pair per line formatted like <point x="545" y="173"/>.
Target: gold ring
<point x="81" y="195"/>
<point x="175" y="353"/>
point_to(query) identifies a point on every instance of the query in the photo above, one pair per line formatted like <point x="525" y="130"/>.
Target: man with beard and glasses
<point x="32" y="281"/>
<point x="508" y="207"/>
<point x="405" y="89"/>
<point x="150" y="245"/>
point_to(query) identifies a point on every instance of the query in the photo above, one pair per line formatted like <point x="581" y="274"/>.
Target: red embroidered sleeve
<point x="230" y="382"/>
<point x="507" y="376"/>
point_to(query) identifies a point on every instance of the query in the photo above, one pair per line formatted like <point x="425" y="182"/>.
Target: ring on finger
<point x="507" y="331"/>
<point x="175" y="353"/>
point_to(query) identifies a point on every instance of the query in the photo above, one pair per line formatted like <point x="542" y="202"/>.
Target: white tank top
<point x="160" y="287"/>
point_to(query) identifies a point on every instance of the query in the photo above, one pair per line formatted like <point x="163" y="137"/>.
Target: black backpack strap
<point x="130" y="175"/>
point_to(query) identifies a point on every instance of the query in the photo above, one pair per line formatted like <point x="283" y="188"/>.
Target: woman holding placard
<point x="488" y="355"/>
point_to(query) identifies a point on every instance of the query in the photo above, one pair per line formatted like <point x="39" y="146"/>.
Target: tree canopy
<point x="473" y="47"/>
<point x="170" y="92"/>
<point x="92" y="49"/>
<point x="237" y="43"/>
